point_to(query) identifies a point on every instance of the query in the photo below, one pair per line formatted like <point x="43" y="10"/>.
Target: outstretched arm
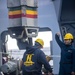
<point x="57" y="38"/>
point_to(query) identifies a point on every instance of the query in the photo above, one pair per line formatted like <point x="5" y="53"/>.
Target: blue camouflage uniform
<point x="67" y="61"/>
<point x="33" y="59"/>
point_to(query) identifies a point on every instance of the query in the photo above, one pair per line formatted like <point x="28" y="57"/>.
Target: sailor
<point x="67" y="61"/>
<point x="34" y="58"/>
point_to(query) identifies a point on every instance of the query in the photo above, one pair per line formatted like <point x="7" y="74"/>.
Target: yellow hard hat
<point x="68" y="36"/>
<point x="40" y="41"/>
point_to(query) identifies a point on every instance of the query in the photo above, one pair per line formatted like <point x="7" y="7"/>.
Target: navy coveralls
<point x="32" y="61"/>
<point x="67" y="61"/>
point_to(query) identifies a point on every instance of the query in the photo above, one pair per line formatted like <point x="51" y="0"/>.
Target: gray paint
<point x="3" y="15"/>
<point x="0" y="59"/>
<point x="57" y="5"/>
